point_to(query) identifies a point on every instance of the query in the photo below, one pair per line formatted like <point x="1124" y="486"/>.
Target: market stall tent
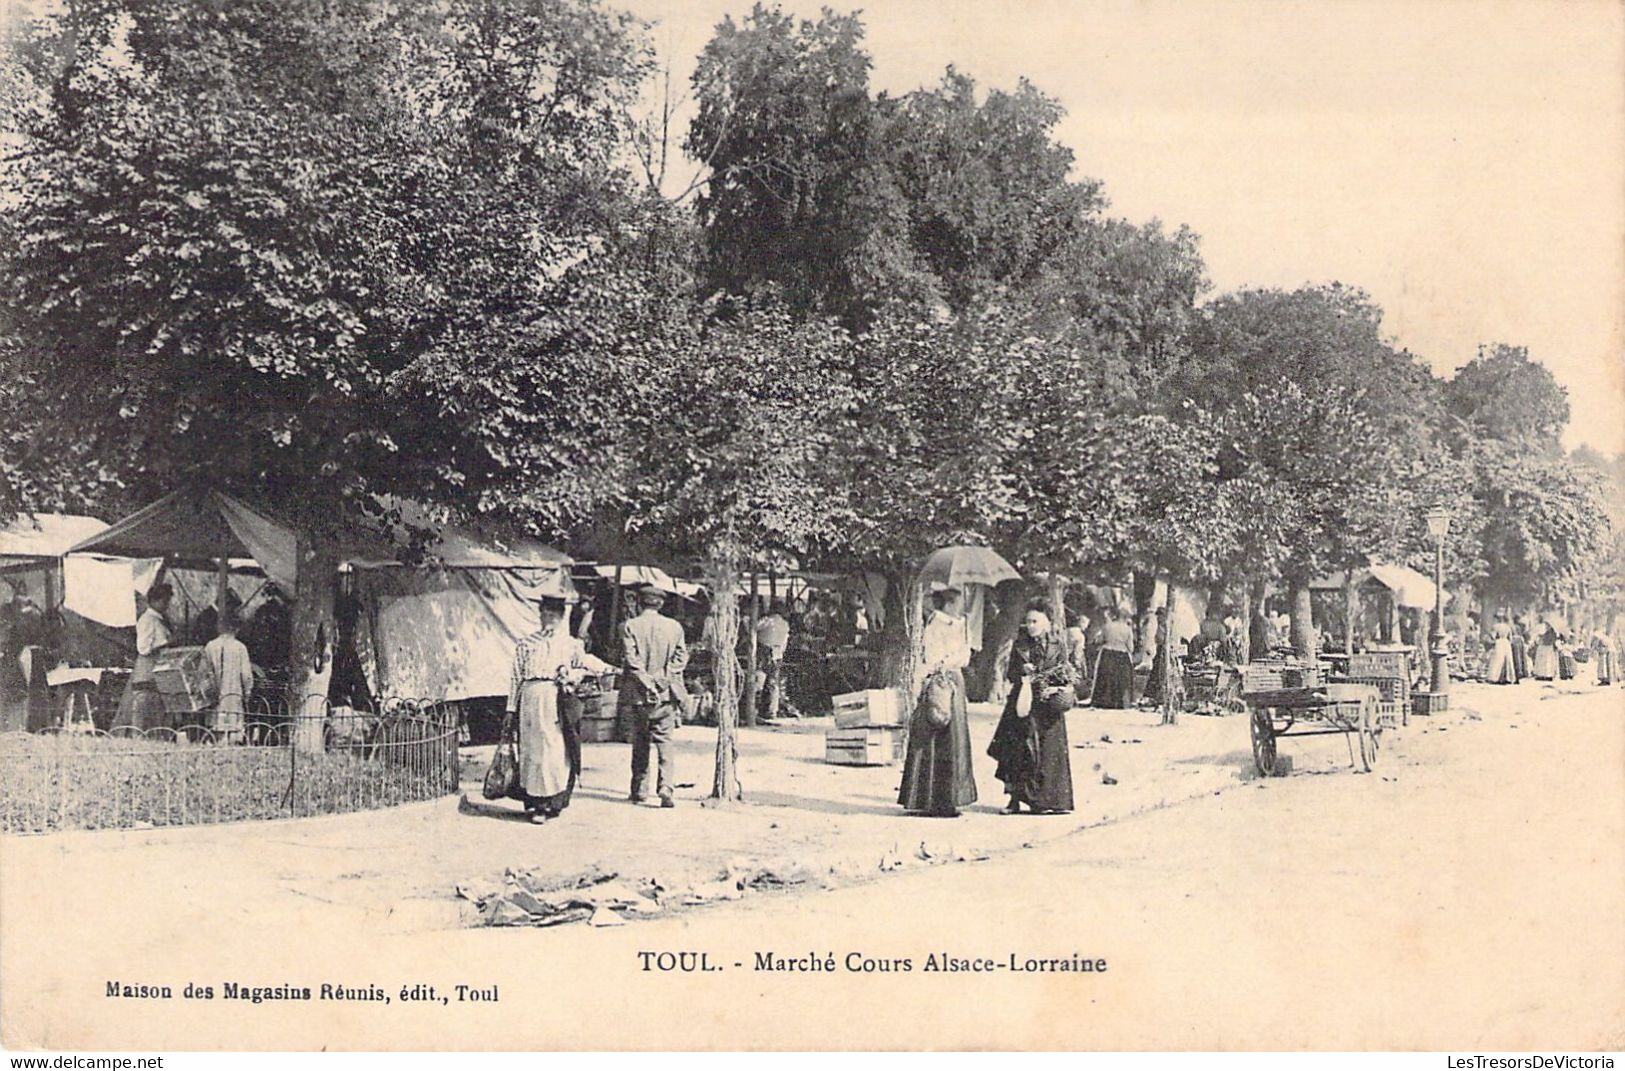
<point x="1407" y="587"/>
<point x="31" y="549"/>
<point x="442" y="626"/>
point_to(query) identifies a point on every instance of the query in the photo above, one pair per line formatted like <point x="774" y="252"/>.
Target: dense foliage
<point x="321" y="250"/>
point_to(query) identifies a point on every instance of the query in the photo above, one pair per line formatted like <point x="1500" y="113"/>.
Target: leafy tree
<point x="986" y="186"/>
<point x="794" y="198"/>
<point x="1322" y="410"/>
<point x="730" y="465"/>
<point x="1503" y="394"/>
<point x="314" y="251"/>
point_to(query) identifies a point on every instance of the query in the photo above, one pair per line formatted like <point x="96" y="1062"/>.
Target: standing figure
<point x="1501" y="669"/>
<point x="1566" y="668"/>
<point x="937" y="776"/>
<point x="1034" y="758"/>
<point x="142" y="707"/>
<point x="1543" y="661"/>
<point x="1520" y="651"/>
<point x="656" y="656"/>
<point x="227" y="658"/>
<point x="1114" y="666"/>
<point x="773" y="639"/>
<point x="549" y="744"/>
<point x="1602" y="651"/>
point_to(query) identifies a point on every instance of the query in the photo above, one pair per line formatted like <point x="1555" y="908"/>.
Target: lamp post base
<point x="1432" y="702"/>
<point x="1440" y="683"/>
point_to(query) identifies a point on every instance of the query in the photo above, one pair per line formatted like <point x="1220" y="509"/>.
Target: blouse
<point x="151" y="633"/>
<point x="945" y="642"/>
<point x="1117" y="636"/>
<point x="548" y="656"/>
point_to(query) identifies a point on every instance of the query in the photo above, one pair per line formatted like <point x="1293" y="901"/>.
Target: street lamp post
<point x="1438" y="520"/>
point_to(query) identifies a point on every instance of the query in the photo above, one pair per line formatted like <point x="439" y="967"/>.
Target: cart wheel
<point x="1263" y="734"/>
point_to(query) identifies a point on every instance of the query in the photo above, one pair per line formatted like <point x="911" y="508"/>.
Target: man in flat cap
<point x="655" y="659"/>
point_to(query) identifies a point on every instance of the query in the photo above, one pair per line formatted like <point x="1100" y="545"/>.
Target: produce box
<point x="874" y="707"/>
<point x="184" y="680"/>
<point x="864" y="746"/>
<point x="598" y="730"/>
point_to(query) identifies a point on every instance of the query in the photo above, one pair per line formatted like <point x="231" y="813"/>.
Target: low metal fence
<point x="279" y="765"/>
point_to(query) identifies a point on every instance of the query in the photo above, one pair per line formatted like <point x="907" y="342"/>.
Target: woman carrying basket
<point x="937" y="777"/>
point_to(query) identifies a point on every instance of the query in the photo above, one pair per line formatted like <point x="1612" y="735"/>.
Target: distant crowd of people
<point x="1513" y="651"/>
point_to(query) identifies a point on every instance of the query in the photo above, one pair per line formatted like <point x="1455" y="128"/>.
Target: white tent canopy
<point x="1409" y="587"/>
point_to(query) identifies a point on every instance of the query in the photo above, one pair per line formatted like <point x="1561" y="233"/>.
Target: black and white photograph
<point x="780" y="526"/>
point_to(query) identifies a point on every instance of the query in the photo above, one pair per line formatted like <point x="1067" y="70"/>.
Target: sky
<point x="1463" y="161"/>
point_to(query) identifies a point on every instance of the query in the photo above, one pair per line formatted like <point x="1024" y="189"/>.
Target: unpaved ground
<point x="1471" y="894"/>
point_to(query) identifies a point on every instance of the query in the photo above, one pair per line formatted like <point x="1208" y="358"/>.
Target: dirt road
<point x="1470" y="896"/>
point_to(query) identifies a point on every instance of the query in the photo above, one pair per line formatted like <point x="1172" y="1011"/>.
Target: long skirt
<point x="141" y="706"/>
<point x="1033" y="754"/>
<point x="937" y="777"/>
<point x="1520" y="657"/>
<point x="1114" y="681"/>
<point x="1565" y="665"/>
<point x="1500" y="669"/>
<point x="1605" y="665"/>
<point x="1543" y="664"/>
<point x="549" y="749"/>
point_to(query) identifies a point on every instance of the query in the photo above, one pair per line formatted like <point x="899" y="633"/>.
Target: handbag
<point x="502" y="777"/>
<point x="937" y="701"/>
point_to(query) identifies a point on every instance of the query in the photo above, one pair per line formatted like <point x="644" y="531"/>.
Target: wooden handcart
<point x="1332" y="708"/>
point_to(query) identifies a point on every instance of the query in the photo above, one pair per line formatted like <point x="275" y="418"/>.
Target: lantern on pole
<point x="1438" y="522"/>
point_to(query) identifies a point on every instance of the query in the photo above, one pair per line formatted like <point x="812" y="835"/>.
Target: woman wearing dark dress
<point x="1031" y="748"/>
<point x="937" y="777"/>
<point x="1114" y="666"/>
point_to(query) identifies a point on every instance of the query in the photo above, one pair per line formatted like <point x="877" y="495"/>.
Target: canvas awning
<point x="46" y="535"/>
<point x="1409" y="587"/>
<point x="202" y="525"/>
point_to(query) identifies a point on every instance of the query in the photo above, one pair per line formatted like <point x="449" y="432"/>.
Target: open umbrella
<point x="957" y="566"/>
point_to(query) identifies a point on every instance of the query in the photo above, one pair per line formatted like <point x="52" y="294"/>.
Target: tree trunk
<point x="725" y="682"/>
<point x="900" y="638"/>
<point x="1492" y="606"/>
<point x="1254" y="591"/>
<point x="747" y="713"/>
<point x="1172" y="685"/>
<point x="1351" y="611"/>
<point x="314" y="631"/>
<point x="903" y="659"/>
<point x="1145" y="591"/>
<point x="1303" y="620"/>
<point x="1057" y="599"/>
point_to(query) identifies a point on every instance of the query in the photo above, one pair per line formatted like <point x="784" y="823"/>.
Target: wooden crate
<point x="864" y="746"/>
<point x="183" y="679"/>
<point x="873" y="707"/>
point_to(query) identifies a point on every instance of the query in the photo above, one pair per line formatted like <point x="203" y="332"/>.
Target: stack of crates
<point x="1389" y="672"/>
<point x="869" y="729"/>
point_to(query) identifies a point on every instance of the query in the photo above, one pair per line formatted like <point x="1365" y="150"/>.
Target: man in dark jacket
<point x="655" y="657"/>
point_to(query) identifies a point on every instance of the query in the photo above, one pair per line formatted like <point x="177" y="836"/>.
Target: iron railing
<point x="280" y="765"/>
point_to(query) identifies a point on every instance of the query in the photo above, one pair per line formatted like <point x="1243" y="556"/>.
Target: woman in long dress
<point x="1602" y="652"/>
<point x="549" y="747"/>
<point x="1520" y="652"/>
<point x="1543" y="662"/>
<point x="142" y="707"/>
<point x="1114" y="666"/>
<point x="937" y="777"/>
<point x="1030" y="745"/>
<point x="1500" y="669"/>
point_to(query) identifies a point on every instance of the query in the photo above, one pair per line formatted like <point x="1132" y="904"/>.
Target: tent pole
<point x="222" y="584"/>
<point x="614" y="644"/>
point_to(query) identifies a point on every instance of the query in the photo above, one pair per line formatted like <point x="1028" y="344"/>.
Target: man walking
<point x="655" y="657"/>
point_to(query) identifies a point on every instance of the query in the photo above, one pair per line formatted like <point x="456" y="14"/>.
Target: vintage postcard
<point x="723" y="525"/>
